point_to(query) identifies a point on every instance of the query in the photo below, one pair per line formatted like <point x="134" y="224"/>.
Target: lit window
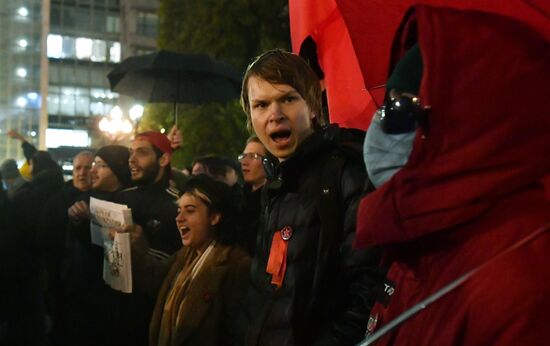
<point x="53" y="104"/>
<point x="114" y="52"/>
<point x="96" y="93"/>
<point x="21" y="102"/>
<point x="99" y="50"/>
<point x="83" y="48"/>
<point x="147" y="24"/>
<point x="111" y="95"/>
<point x="33" y="100"/>
<point x="23" y="12"/>
<point x="68" y="91"/>
<point x="113" y="24"/>
<point x="83" y="105"/>
<point x="68" y="50"/>
<point x="97" y="108"/>
<point x="55" y="44"/>
<point x="67" y="101"/>
<point x="71" y="138"/>
<point x="21" y="72"/>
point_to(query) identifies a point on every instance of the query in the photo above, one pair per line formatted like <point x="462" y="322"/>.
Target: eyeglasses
<point x="402" y="114"/>
<point x="250" y="156"/>
<point x="99" y="165"/>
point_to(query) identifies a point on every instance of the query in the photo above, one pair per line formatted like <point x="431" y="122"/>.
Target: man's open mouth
<point x="280" y="136"/>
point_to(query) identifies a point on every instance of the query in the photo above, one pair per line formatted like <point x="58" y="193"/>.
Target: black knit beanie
<point x="407" y="74"/>
<point x="116" y="157"/>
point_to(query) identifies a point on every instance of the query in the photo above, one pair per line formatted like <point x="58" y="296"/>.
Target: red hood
<point x="486" y="78"/>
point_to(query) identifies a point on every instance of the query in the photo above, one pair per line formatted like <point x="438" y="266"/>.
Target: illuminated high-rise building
<point x="85" y="38"/>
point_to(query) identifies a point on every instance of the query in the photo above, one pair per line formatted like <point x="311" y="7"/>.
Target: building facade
<point x="85" y="39"/>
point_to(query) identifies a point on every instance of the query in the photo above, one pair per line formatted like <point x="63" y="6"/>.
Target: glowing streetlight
<point x="114" y="125"/>
<point x="116" y="113"/>
<point x="104" y="124"/>
<point x="22" y="43"/>
<point x="136" y="112"/>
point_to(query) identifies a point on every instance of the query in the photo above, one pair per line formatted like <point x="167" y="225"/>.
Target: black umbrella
<point x="167" y="76"/>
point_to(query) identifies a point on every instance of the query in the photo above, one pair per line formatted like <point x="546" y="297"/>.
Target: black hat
<point x="116" y="157"/>
<point x="407" y="74"/>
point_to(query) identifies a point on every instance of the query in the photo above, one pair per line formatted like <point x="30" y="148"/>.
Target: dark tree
<point x="233" y="31"/>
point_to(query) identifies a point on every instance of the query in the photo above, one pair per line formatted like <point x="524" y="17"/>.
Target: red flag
<point x="350" y="105"/>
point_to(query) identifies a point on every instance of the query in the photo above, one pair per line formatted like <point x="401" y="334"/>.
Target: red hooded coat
<point x="473" y="186"/>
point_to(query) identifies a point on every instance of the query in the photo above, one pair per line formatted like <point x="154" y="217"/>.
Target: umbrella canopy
<point x="167" y="76"/>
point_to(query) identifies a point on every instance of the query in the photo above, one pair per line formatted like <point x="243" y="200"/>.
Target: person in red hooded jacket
<point x="474" y="196"/>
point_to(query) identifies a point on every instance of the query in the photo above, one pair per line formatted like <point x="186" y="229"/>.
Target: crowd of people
<point x="316" y="234"/>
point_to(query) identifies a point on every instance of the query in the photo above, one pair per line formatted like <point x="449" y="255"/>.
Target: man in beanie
<point x="11" y="177"/>
<point x="110" y="171"/>
<point x="84" y="301"/>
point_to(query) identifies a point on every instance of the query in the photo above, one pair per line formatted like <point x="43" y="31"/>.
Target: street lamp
<point x="115" y="126"/>
<point x="136" y="112"/>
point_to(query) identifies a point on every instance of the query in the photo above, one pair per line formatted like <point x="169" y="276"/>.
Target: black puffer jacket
<point x="325" y="297"/>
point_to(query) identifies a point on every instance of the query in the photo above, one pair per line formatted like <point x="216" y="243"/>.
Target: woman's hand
<point x="136" y="232"/>
<point x="138" y="242"/>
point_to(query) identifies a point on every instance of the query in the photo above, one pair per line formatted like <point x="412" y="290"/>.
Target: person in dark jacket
<point x="11" y="177"/>
<point x="29" y="325"/>
<point x="252" y="167"/>
<point x="52" y="237"/>
<point x="87" y="309"/>
<point x="308" y="286"/>
<point x="153" y="204"/>
<point x="7" y="258"/>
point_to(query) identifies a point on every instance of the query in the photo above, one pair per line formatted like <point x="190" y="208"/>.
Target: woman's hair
<point x="42" y="161"/>
<point x="219" y="199"/>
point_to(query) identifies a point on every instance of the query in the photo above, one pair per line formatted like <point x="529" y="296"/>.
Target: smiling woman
<point x="200" y="297"/>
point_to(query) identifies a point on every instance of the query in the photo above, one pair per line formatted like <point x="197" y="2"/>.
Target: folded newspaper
<point x="117" y="258"/>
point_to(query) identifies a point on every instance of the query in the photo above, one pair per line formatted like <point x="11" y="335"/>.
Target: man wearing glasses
<point x="254" y="178"/>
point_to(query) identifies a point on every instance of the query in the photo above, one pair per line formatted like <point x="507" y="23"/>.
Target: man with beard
<point x="153" y="204"/>
<point x="154" y="198"/>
